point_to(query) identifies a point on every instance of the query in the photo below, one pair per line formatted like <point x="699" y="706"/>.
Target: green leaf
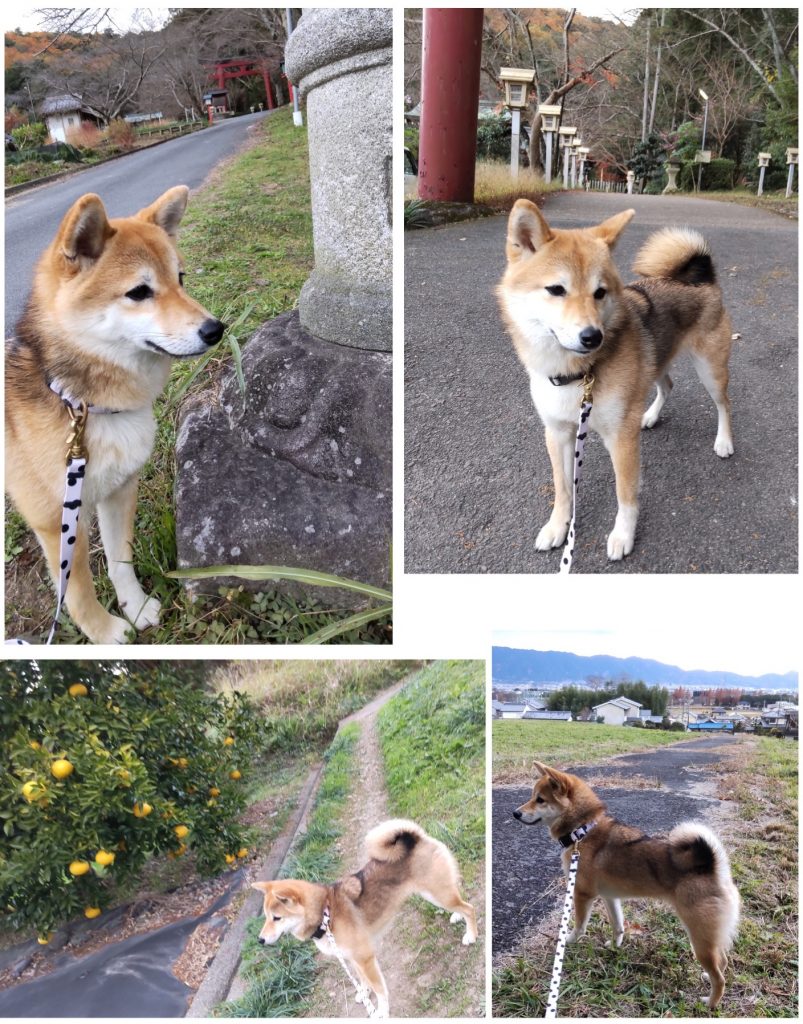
<point x="280" y="572"/>
<point x="353" y="622"/>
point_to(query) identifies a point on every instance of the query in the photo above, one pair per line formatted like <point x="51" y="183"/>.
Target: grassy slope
<point x="281" y="978"/>
<point x="654" y="974"/>
<point x="516" y="744"/>
<point x="432" y="737"/>
<point x="247" y="248"/>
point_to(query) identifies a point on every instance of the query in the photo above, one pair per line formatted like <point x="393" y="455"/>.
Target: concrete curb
<point x="221" y="976"/>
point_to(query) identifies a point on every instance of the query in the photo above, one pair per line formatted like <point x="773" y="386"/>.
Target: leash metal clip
<point x="75" y="438"/>
<point x="588" y="385"/>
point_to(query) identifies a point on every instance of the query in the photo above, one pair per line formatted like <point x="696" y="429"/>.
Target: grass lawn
<point x="247" y="248"/>
<point x="654" y="974"/>
<point x="517" y="743"/>
<point x="280" y="979"/>
<point x="775" y="202"/>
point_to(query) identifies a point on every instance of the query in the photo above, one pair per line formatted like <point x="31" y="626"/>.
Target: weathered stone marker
<point x="297" y="471"/>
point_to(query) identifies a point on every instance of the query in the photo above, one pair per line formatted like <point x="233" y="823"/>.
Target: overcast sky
<point x="747" y="648"/>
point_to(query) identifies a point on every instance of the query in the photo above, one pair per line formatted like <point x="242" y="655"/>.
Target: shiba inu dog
<point x="106" y="317"/>
<point x="569" y="315"/>
<point x="688" y="868"/>
<point x="402" y="860"/>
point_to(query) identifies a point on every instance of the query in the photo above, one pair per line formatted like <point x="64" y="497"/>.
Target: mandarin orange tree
<point x="104" y="765"/>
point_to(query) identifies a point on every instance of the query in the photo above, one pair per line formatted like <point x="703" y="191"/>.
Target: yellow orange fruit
<point x="181" y="831"/>
<point x="214" y="791"/>
<point x="230" y="858"/>
<point x="78" y="690"/>
<point x="91" y="912"/>
<point x="104" y="858"/>
<point x="211" y="802"/>
<point x="236" y="774"/>
<point x="229" y="741"/>
<point x="34" y="745"/>
<point x="44" y="939"/>
<point x="33" y="791"/>
<point x="61" y="768"/>
<point x="242" y="852"/>
<point x="79" y="867"/>
<point x="142" y="810"/>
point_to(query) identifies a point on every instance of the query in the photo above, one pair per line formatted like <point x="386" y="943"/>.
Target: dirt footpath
<point x="414" y="972"/>
<point x="655" y="791"/>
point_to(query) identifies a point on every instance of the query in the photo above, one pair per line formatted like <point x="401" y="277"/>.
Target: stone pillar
<point x="340" y="60"/>
<point x="672" y="170"/>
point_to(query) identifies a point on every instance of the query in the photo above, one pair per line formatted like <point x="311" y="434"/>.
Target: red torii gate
<point x="242" y="67"/>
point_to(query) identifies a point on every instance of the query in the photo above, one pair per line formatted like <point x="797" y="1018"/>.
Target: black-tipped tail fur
<point x="679" y="254"/>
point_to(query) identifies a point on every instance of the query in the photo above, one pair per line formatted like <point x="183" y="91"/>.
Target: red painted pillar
<point x="268" y="89"/>
<point x="221" y="77"/>
<point x="450" y="91"/>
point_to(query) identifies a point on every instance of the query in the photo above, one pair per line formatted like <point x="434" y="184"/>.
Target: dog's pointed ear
<point x="540" y="769"/>
<point x="85" y="230"/>
<point x="558" y="780"/>
<point x="166" y="212"/>
<point x="261" y="886"/>
<point x="609" y="230"/>
<point x="527" y="231"/>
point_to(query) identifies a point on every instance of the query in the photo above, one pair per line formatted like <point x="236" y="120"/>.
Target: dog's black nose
<point x="591" y="337"/>
<point x="261" y="941"/>
<point x="517" y="815"/>
<point x="211" y="331"/>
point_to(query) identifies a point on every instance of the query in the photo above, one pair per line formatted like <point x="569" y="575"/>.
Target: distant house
<point x="65" y="114"/>
<point x="548" y="716"/>
<point x="505" y="709"/>
<point x="709" y="725"/>
<point x="617" y="710"/>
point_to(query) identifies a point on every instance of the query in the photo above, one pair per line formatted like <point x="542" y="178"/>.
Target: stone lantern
<point x="763" y="163"/>
<point x="791" y="159"/>
<point x="576" y="144"/>
<point x="566" y="133"/>
<point x="631" y="177"/>
<point x="517" y="82"/>
<point x="549" y="124"/>
<point x="672" y="169"/>
<point x="582" y="153"/>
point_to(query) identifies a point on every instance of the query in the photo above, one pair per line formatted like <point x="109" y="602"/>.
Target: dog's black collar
<point x="570" y="378"/>
<point x="570" y="838"/>
<point x="320" y="931"/>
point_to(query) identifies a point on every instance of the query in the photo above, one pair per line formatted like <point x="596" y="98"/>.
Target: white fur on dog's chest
<point x="119" y="445"/>
<point x="558" y="405"/>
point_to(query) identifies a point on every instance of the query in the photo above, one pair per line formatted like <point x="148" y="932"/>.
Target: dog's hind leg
<point x="116" y="519"/>
<point x="86" y="611"/>
<point x="714" y="963"/>
<point x="370" y="975"/>
<point x="615" y="916"/>
<point x="710" y="359"/>
<point x="664" y="387"/>
<point x="449" y="898"/>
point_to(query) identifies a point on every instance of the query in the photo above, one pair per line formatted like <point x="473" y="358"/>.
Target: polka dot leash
<point x="567" y="557"/>
<point x="71" y="506"/>
<point x="563" y="934"/>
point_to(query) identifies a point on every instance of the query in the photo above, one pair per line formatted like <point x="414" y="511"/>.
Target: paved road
<point x="478" y="482"/>
<point x="526" y="860"/>
<point x="124" y="185"/>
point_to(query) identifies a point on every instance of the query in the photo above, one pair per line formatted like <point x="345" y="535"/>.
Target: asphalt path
<point x="125" y="186"/>
<point x="478" y="486"/>
<point x="526" y="860"/>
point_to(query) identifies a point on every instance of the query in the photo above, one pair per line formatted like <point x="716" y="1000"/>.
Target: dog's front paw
<point x="649" y="419"/>
<point x="552" y="535"/>
<point x="723" y="446"/>
<point x="469" y="940"/>
<point x="148" y="614"/>
<point x="574" y="935"/>
<point x="114" y="631"/>
<point x="620" y="543"/>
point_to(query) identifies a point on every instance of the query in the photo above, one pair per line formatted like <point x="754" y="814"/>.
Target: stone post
<point x="304" y="455"/>
<point x="631" y="177"/>
<point x="672" y="170"/>
<point x="340" y="60"/>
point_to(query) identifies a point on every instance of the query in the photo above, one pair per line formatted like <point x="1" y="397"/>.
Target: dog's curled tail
<point x="696" y="848"/>
<point x="679" y="254"/>
<point x="393" y="840"/>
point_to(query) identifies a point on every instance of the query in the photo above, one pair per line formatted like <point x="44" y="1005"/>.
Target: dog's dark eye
<point x="600" y="293"/>
<point x="181" y="278"/>
<point x="539" y="800"/>
<point x="556" y="289"/>
<point x="140" y="293"/>
<point x="275" y="918"/>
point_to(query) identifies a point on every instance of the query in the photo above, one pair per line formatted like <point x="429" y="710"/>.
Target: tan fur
<point x="81" y="328"/>
<point x="688" y="868"/>
<point x="403" y="860"/>
<point x="626" y="336"/>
